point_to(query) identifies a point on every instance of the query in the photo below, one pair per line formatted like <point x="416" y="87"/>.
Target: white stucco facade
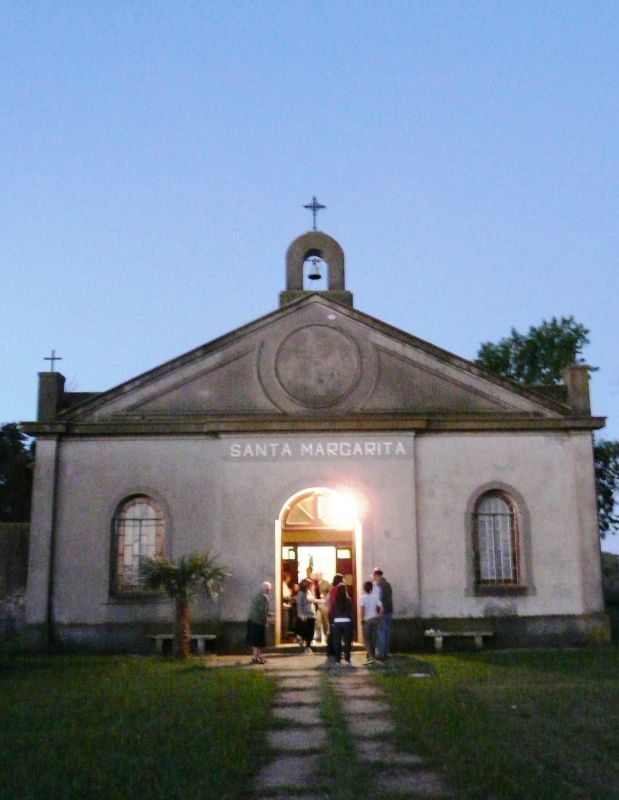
<point x="317" y="395"/>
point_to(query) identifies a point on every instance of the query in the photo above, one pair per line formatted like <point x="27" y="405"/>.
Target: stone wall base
<point x="509" y="631"/>
<point x="407" y="636"/>
<point x="125" y="638"/>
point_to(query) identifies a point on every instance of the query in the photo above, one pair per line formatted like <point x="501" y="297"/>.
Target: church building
<point x="317" y="437"/>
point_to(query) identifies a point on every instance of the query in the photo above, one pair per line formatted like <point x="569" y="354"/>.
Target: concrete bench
<point x="199" y="638"/>
<point x="438" y="637"/>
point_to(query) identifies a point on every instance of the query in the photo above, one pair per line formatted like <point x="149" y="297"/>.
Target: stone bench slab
<point x="199" y="638"/>
<point x="439" y="635"/>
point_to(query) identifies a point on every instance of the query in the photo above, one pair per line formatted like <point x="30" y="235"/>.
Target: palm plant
<point x="180" y="580"/>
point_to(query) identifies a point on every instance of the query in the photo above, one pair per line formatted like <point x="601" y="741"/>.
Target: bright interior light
<point x="344" y="508"/>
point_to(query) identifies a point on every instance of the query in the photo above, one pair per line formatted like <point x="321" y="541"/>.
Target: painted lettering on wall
<point x="300" y="449"/>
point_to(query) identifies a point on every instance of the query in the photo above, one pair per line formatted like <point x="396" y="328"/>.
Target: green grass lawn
<point x="122" y="727"/>
<point x="536" y="725"/>
<point x="530" y="725"/>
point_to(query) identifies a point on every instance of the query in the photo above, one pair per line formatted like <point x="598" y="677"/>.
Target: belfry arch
<point x="316" y="527"/>
<point x="320" y="245"/>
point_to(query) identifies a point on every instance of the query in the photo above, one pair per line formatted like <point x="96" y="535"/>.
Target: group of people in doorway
<point x="305" y="608"/>
<point x="323" y="612"/>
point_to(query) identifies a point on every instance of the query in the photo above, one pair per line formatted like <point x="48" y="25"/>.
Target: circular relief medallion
<point x="317" y="365"/>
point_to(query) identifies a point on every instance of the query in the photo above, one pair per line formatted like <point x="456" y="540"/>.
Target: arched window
<point x="139" y="531"/>
<point x="321" y="509"/>
<point x="496" y="541"/>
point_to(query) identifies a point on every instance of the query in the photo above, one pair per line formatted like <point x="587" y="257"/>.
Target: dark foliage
<point x="606" y="459"/>
<point x="180" y="579"/>
<point x="16" y="469"/>
<point x="610" y="567"/>
<point x="538" y="356"/>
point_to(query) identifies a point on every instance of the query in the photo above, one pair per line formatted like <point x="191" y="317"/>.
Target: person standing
<point x="341" y="627"/>
<point x="329" y="601"/>
<point x="313" y="581"/>
<point x="257" y="623"/>
<point x="306" y="616"/>
<point x="370" y="607"/>
<point x="382" y="589"/>
<point x="287" y="605"/>
<point x="322" y="613"/>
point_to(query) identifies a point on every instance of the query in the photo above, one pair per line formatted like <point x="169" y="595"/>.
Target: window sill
<point x="486" y="590"/>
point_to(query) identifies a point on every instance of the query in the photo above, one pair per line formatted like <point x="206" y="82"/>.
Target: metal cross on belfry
<point x="314" y="207"/>
<point x="52" y="358"/>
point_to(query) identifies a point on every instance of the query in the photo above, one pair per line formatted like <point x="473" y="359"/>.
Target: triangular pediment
<point x="314" y="357"/>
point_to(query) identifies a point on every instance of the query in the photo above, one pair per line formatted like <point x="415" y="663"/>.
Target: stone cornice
<point x="214" y="426"/>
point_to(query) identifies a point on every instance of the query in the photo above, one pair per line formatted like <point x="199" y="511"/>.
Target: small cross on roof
<point x="53" y="358"/>
<point x="314" y="207"/>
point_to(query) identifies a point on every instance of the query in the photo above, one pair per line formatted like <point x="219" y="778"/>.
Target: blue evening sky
<point x="156" y="157"/>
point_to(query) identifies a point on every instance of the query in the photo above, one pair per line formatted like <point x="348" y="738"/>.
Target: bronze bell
<point x="314" y="273"/>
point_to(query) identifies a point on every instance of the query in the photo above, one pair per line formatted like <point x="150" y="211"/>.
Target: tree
<point x="540" y="356"/>
<point x="180" y="580"/>
<point x="610" y="568"/>
<point x="16" y="463"/>
<point x="606" y="460"/>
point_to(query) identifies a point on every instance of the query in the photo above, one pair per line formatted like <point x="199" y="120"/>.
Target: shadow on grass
<point x="405" y="665"/>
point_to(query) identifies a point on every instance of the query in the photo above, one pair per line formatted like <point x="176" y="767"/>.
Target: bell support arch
<point x="319" y="244"/>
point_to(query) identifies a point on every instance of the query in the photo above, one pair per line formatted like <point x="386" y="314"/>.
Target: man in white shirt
<point x="370" y="608"/>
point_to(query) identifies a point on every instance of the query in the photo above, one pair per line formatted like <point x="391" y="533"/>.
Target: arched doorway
<point x="318" y="528"/>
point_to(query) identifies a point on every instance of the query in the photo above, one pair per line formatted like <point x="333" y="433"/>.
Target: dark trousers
<point x="305" y="629"/>
<point x="383" y="635"/>
<point x="341" y="636"/>
<point x="370" y="629"/>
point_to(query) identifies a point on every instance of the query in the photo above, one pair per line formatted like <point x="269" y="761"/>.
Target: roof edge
<point x="528" y="392"/>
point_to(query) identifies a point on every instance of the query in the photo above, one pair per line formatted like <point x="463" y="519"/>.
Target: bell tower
<point x="315" y="245"/>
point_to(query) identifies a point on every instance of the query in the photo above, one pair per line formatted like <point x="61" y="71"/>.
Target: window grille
<point x="496" y="541"/>
<point x="139" y="532"/>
